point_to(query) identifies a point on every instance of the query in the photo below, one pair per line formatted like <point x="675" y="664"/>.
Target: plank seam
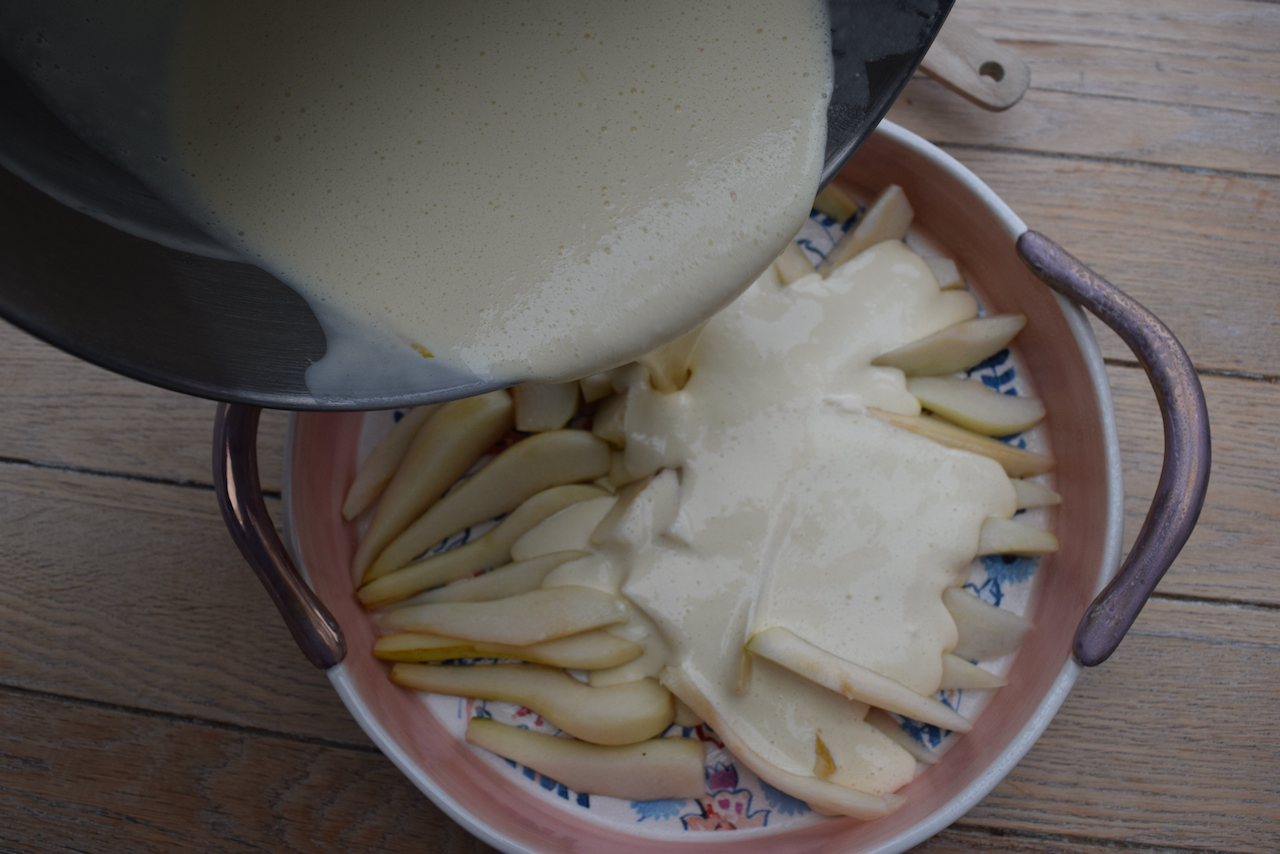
<point x="974" y="830"/>
<point x="1250" y="376"/>
<point x="191" y="720"/>
<point x="63" y="468"/>
<point x="1105" y="161"/>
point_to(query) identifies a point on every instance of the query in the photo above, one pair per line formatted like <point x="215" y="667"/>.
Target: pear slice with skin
<point x="380" y="466"/>
<point x="485" y="552"/>
<point x="618" y="714"/>
<point x="975" y="407"/>
<point x="1007" y="537"/>
<point x="985" y="631"/>
<point x="607" y="423"/>
<point x="793" y="264"/>
<point x="823" y="796"/>
<point x="657" y="769"/>
<point x="1030" y="494"/>
<point x="835" y="203"/>
<point x="596" y="387"/>
<point x="891" y="728"/>
<point x="594" y="650"/>
<point x="533" y="617"/>
<point x="526" y="468"/>
<point x="1015" y="461"/>
<point x="851" y="680"/>
<point x="544" y="406"/>
<point x="946" y="272"/>
<point x="955" y="348"/>
<point x="511" y="579"/>
<point x="961" y="674"/>
<point x="568" y="530"/>
<point x="888" y="218"/>
<point x="446" y="447"/>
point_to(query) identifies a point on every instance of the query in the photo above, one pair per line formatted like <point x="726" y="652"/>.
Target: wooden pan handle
<point x="967" y="62"/>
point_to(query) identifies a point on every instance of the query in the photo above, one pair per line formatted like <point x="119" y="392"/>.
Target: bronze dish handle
<point x="1184" y="475"/>
<point x="235" y="478"/>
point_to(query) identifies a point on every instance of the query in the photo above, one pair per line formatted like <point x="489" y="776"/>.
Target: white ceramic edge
<point x="1031" y="731"/>
<point x="346" y="689"/>
<point x="1079" y="324"/>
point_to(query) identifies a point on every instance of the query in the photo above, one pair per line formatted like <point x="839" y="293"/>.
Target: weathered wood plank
<point x="1197" y="250"/>
<point x="1234" y="551"/>
<point x="102" y="779"/>
<point x="1170" y="742"/>
<point x="1219" y="55"/>
<point x="132" y="593"/>
<point x="75" y="777"/>
<point x="59" y="410"/>
<point x="1176" y="84"/>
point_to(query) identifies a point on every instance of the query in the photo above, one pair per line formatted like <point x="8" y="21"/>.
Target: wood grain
<point x="1168" y="83"/>
<point x="57" y="410"/>
<point x="132" y="593"/>
<point x="151" y="699"/>
<point x="1199" y="251"/>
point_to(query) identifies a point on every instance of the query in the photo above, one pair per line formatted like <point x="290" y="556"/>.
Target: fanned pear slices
<point x="526" y="468"/>
<point x="533" y="617"/>
<point x="985" y="631"/>
<point x="1016" y="462"/>
<point x="888" y="218"/>
<point x="1007" y="537"/>
<point x="823" y="796"/>
<point x="852" y="680"/>
<point x="955" y="348"/>
<point x="587" y="651"/>
<point x="975" y="407"/>
<point x="650" y="770"/>
<point x="618" y="714"/>
<point x="381" y="464"/>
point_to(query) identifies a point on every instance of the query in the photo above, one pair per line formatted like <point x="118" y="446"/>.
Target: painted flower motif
<point x="726" y="810"/>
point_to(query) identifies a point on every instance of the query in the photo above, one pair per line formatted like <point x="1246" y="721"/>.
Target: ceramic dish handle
<point x="1184" y="475"/>
<point x="235" y="476"/>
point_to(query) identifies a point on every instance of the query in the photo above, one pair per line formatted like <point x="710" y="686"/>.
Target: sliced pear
<point x="594" y="650"/>
<point x="1007" y="537"/>
<point x="544" y="406"/>
<point x="1030" y="494"/>
<point x="851" y="680"/>
<point x="975" y="407"/>
<point x="657" y="769"/>
<point x="1015" y="461"/>
<point x="955" y="348"/>
<point x="946" y="272"/>
<point x="446" y="447"/>
<point x="685" y="716"/>
<point x="596" y="387"/>
<point x="485" y="552"/>
<point x="825" y="797"/>
<point x="607" y="423"/>
<point x="669" y="365"/>
<point x="380" y="466"/>
<point x="619" y="714"/>
<point x="626" y="496"/>
<point x="526" y="468"/>
<point x="888" y="218"/>
<point x="892" y="729"/>
<point x="835" y="203"/>
<point x="985" y="631"/>
<point x="960" y="674"/>
<point x="533" y="617"/>
<point x="510" y="580"/>
<point x="792" y="264"/>
<point x="568" y="530"/>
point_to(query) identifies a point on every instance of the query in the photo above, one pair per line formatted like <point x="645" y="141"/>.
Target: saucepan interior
<point x="961" y="217"/>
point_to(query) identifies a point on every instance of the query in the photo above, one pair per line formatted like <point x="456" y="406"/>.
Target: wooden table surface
<point x="151" y="699"/>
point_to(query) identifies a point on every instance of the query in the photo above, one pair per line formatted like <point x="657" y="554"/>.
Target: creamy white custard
<point x="510" y="189"/>
<point x="794" y="508"/>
